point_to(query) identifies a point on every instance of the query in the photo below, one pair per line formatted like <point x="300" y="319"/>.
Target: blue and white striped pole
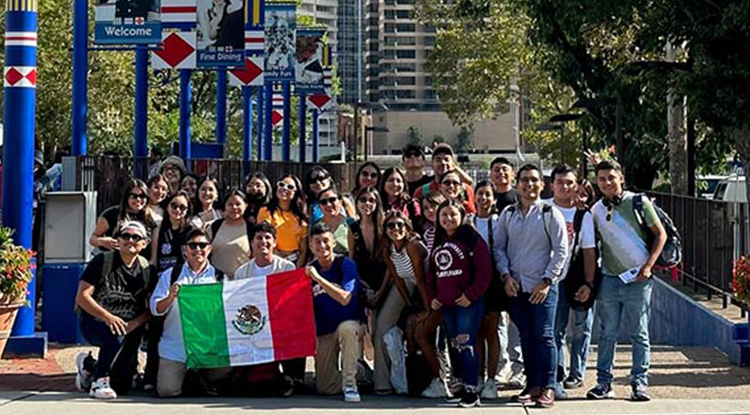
<point x="302" y="127"/>
<point x="260" y="95"/>
<point x="19" y="82"/>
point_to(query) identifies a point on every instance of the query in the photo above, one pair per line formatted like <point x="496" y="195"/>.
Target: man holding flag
<point x="338" y="315"/>
<point x="196" y="270"/>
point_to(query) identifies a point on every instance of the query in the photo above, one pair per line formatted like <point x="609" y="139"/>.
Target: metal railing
<point x="714" y="234"/>
<point x="108" y="175"/>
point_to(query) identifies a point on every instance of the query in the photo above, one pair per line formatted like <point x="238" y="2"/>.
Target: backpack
<point x="109" y="260"/>
<point x="576" y="276"/>
<point x="496" y="290"/>
<point x="671" y="255"/>
<point x="546" y="218"/>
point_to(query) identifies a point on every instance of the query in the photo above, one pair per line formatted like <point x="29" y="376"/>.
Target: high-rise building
<point x="348" y="55"/>
<point x="325" y="12"/>
<point x="396" y="50"/>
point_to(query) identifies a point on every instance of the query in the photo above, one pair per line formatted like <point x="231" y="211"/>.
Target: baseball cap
<point x="412" y="149"/>
<point x="442" y="148"/>
<point x="134" y="227"/>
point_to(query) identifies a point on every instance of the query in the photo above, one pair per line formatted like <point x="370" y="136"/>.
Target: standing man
<point x="412" y="157"/>
<point x="511" y="359"/>
<point x="626" y="285"/>
<point x="339" y="316"/>
<point x="444" y="161"/>
<point x="195" y="270"/>
<point x="565" y="191"/>
<point x="113" y="301"/>
<point x="530" y="253"/>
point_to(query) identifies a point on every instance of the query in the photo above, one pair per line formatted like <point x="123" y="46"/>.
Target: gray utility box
<point x="70" y="218"/>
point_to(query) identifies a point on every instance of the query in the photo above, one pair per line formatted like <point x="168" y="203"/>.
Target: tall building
<point x="396" y="50"/>
<point x="325" y="12"/>
<point x="349" y="59"/>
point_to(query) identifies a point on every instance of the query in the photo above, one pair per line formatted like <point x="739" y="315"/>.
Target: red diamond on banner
<point x="174" y="50"/>
<point x="249" y="73"/>
<point x="13" y="76"/>
<point x="276" y="117"/>
<point x="31" y="76"/>
<point x="319" y="100"/>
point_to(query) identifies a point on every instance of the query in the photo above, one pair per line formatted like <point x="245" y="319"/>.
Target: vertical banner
<point x="221" y="33"/>
<point x="309" y="70"/>
<point x="127" y="22"/>
<point x="280" y="47"/>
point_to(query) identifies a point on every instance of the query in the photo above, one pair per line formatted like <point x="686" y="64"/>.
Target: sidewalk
<point x="685" y="380"/>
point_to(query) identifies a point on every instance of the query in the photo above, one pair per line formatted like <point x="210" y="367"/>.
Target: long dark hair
<point x="357" y="186"/>
<point x="386" y="175"/>
<point x="589" y="191"/>
<point x="377" y="214"/>
<point x="267" y="183"/>
<point x="486" y="183"/>
<point x="385" y="251"/>
<point x="198" y="205"/>
<point x="168" y="201"/>
<point x="144" y="216"/>
<point x="298" y="205"/>
<point x="441" y="236"/>
<point x="314" y="173"/>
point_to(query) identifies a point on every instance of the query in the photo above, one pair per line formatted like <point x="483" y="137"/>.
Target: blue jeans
<point x="118" y="355"/>
<point x="536" y="324"/>
<point x="462" y="325"/>
<point x="579" y="347"/>
<point x="634" y="301"/>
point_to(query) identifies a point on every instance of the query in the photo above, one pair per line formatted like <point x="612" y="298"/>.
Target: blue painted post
<point x="185" y="98"/>
<point x="287" y="123"/>
<point x="19" y="127"/>
<point x="80" y="78"/>
<point x="261" y="111"/>
<point x="302" y="127"/>
<point x="247" y="123"/>
<point x="315" y="138"/>
<point x="140" y="150"/>
<point x="221" y="106"/>
<point x="268" y="126"/>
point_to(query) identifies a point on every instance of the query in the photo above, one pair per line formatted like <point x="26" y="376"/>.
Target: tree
<point x="463" y="140"/>
<point x="414" y="134"/>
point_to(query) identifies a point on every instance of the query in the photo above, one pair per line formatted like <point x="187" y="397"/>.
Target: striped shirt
<point x="404" y="267"/>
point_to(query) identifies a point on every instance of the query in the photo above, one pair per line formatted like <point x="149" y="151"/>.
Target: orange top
<point x="289" y="228"/>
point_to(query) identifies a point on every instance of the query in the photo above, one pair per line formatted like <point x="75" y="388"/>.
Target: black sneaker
<point x="456" y="396"/>
<point x="640" y="394"/>
<point x="601" y="391"/>
<point x="469" y="399"/>
<point x="572" y="383"/>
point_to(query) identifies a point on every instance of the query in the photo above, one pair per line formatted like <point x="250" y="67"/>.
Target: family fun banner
<point x="280" y="48"/>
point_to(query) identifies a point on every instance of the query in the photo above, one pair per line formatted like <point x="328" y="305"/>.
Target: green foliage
<point x="415" y="135"/>
<point x="463" y="140"/>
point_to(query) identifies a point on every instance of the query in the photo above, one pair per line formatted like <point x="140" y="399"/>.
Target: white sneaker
<point x="83" y="376"/>
<point x="100" y="389"/>
<point x="435" y="390"/>
<point x="489" y="389"/>
<point x="351" y="394"/>
<point x="517" y="381"/>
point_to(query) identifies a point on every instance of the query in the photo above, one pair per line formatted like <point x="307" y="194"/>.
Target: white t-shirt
<point x="262" y="271"/>
<point x="588" y="238"/>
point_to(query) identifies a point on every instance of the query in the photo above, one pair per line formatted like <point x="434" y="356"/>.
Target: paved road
<point x="22" y="403"/>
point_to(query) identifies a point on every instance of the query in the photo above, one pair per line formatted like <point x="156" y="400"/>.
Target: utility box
<point x="70" y="218"/>
<point x="59" y="318"/>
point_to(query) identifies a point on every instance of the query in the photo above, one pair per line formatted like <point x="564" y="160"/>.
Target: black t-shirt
<point x="111" y="215"/>
<point x="413" y="186"/>
<point x="370" y="265"/>
<point x="125" y="291"/>
<point x="503" y="200"/>
<point x="169" y="251"/>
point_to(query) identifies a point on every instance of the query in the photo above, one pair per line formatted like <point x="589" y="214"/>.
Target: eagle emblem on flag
<point x="249" y="320"/>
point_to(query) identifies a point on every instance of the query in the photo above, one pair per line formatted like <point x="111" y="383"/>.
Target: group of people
<point x="477" y="282"/>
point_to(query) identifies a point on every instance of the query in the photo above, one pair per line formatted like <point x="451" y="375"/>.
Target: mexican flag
<point x="247" y="322"/>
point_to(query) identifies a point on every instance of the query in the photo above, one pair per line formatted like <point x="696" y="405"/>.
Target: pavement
<point x="684" y="380"/>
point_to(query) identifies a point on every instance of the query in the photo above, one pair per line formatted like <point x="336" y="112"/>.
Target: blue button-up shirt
<point x="529" y="249"/>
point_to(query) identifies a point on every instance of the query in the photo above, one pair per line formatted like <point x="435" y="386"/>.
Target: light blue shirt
<point x="523" y="247"/>
<point x="171" y="345"/>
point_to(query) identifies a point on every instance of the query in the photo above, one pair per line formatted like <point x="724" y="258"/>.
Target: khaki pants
<point x="347" y="339"/>
<point x="172" y="374"/>
<point x="385" y="318"/>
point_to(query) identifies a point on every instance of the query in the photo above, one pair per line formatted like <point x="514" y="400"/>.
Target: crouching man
<point x="112" y="298"/>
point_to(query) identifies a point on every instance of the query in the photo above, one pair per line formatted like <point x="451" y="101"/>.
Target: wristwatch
<point x="588" y="284"/>
<point x="547" y="281"/>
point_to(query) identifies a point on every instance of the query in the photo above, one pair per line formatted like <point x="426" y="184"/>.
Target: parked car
<point x="731" y="189"/>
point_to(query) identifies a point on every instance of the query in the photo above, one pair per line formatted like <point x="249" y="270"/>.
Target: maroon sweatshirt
<point x="457" y="268"/>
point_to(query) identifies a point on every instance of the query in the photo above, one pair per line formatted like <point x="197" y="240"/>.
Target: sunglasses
<point x="178" y="207"/>
<point x="138" y="196"/>
<point x="198" y="245"/>
<point x="395" y="225"/>
<point x="130" y="237"/>
<point x="320" y="179"/>
<point x="368" y="200"/>
<point x="369" y="175"/>
<point x="287" y="186"/>
<point x="451" y="183"/>
<point x="328" y="201"/>
<point x="610" y="211"/>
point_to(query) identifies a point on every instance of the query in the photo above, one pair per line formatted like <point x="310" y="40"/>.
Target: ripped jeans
<point x="462" y="325"/>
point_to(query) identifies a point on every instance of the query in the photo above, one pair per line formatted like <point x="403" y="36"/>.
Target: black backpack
<point x="671" y="254"/>
<point x="576" y="276"/>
